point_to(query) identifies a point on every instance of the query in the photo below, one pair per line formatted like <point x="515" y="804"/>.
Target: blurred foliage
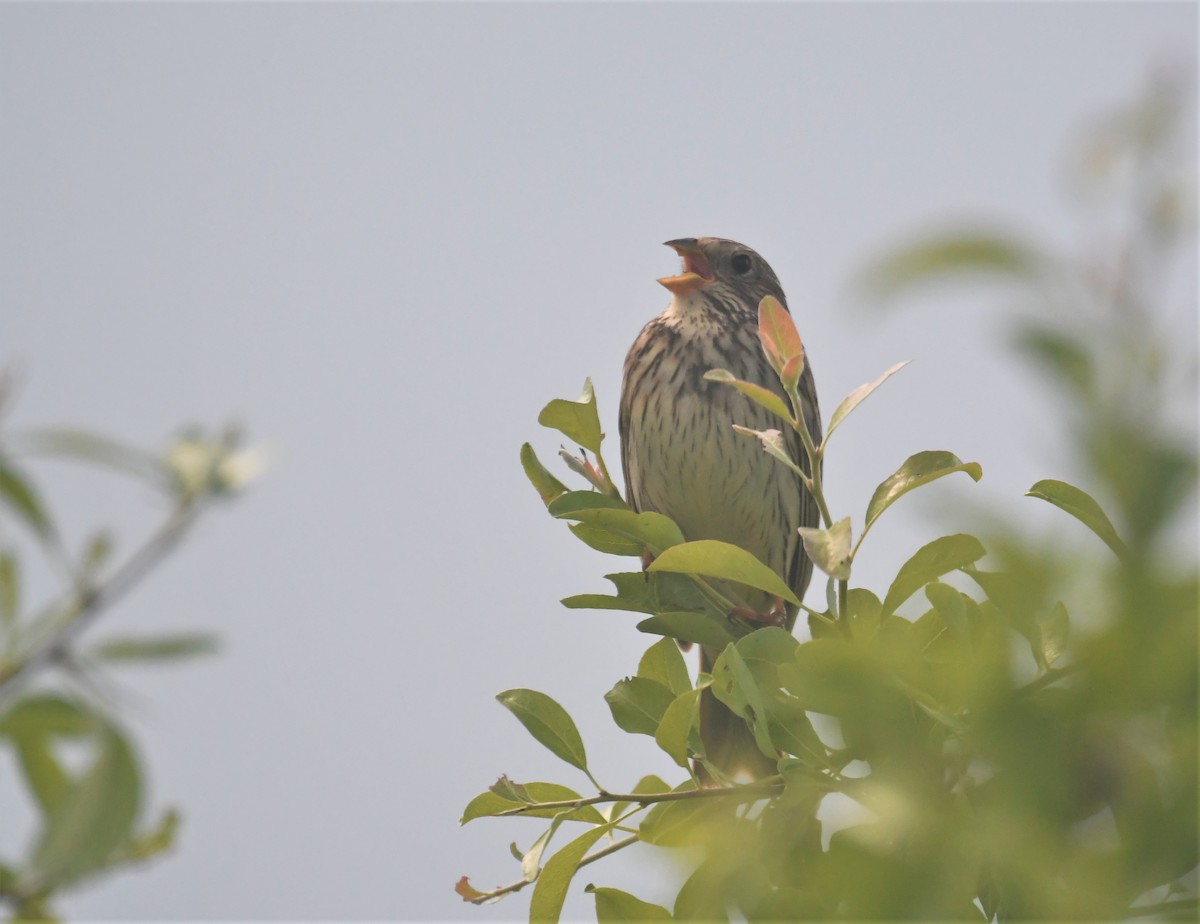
<point x="81" y="771"/>
<point x="1026" y="748"/>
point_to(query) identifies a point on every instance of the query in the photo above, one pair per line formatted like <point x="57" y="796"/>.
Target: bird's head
<point x="721" y="276"/>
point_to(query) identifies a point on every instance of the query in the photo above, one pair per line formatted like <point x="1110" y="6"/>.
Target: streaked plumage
<point x="681" y="455"/>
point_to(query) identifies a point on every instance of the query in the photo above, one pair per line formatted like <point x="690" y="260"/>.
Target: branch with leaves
<point x="91" y="818"/>
<point x="1004" y="766"/>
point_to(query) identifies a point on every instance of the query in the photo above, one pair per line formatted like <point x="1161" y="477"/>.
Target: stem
<point x="766" y="787"/>
<point x="518" y="886"/>
<point x="90" y="602"/>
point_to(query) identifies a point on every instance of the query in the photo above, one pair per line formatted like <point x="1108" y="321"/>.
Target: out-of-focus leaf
<point x="682" y="823"/>
<point x="679" y="726"/>
<point x="780" y="340"/>
<point x="917" y="470"/>
<point x="551" y="889"/>
<point x="547" y="486"/>
<point x="1060" y="354"/>
<point x="548" y="722"/>
<point x="47" y="714"/>
<point x="95" y="817"/>
<point x="930" y="562"/>
<point x="638" y="704"/>
<point x="155" y="648"/>
<point x="711" y="558"/>
<point x="653" y="530"/>
<point x="1083" y="507"/>
<point x="663" y="662"/>
<point x="756" y="393"/>
<point x="614" y="906"/>
<point x="43" y="773"/>
<point x="95" y="449"/>
<point x="1053" y="631"/>
<point x="856" y="397"/>
<point x="773" y="443"/>
<point x="19" y="495"/>
<point x="490" y="803"/>
<point x="950" y="605"/>
<point x="10" y="591"/>
<point x="958" y="253"/>
<point x="156" y="841"/>
<point x="576" y="420"/>
<point x="688" y="627"/>
<point x="829" y="549"/>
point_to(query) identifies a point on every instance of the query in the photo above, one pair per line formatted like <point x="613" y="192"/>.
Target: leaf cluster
<point x="53" y="681"/>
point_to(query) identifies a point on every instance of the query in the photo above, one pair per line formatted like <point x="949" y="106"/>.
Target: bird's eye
<point x="741" y="263"/>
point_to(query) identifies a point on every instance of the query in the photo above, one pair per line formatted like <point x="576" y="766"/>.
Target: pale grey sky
<point x="382" y="237"/>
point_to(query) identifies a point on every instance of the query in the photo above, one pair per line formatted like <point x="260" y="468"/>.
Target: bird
<point x="682" y="457"/>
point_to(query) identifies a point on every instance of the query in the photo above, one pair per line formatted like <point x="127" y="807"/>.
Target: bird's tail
<point x="728" y="741"/>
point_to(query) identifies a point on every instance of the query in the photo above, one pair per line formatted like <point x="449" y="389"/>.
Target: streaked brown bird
<point x="682" y="457"/>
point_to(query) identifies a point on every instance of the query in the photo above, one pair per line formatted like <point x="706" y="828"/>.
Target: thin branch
<point x="612" y="848"/>
<point x="761" y="789"/>
<point x="1053" y="675"/>
<point x="90" y="602"/>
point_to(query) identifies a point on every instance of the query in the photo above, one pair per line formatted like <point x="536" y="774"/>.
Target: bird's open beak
<point x="696" y="271"/>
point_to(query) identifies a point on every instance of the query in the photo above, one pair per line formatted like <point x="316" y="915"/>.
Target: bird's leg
<point x="776" y="616"/>
<point x="647" y="561"/>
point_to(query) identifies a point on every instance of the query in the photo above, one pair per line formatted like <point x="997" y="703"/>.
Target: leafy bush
<point x="91" y="819"/>
<point x="1026" y="748"/>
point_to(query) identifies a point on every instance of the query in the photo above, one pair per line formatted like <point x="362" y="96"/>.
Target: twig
<point x="90" y="602"/>
<point x="612" y="848"/>
<point x="763" y="788"/>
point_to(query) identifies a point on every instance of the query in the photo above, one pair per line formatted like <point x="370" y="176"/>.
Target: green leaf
<point x="572" y="502"/>
<point x="614" y="906"/>
<point x="734" y="684"/>
<point x="551" y="889"/>
<point x="780" y="340"/>
<point x="43" y="773"/>
<point x="684" y="822"/>
<point x="680" y="727"/>
<point x="155" y="648"/>
<point x="917" y="470"/>
<point x="950" y="606"/>
<point x="47" y="714"/>
<point x="576" y="420"/>
<point x="1082" y="507"/>
<point x="688" y="627"/>
<point x="638" y="704"/>
<point x="663" y="662"/>
<point x="604" y="541"/>
<point x="652" y="530"/>
<point x="547" y="486"/>
<point x="930" y="562"/>
<point x="531" y="860"/>
<point x="1054" y="629"/>
<point x="95" y="817"/>
<point x="10" y="591"/>
<point x="711" y="558"/>
<point x="773" y="444"/>
<point x="958" y="253"/>
<point x="634" y="594"/>
<point x="156" y="841"/>
<point x="488" y="804"/>
<point x="764" y="397"/>
<point x="549" y="724"/>
<point x="510" y="791"/>
<point x="829" y="549"/>
<point x="19" y="495"/>
<point x="96" y="449"/>
<point x="856" y="397"/>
